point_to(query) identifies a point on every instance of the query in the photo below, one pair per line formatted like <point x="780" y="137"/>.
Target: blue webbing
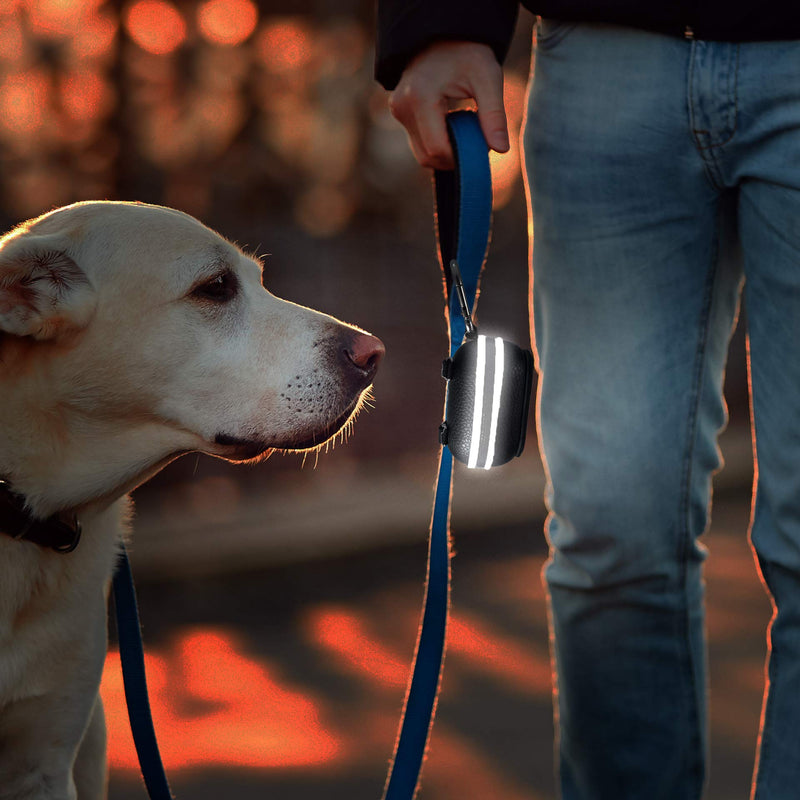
<point x="131" y="655"/>
<point x="464" y="209"/>
<point x="464" y="198"/>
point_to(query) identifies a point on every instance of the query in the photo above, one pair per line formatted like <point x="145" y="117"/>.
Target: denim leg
<point x="633" y="308"/>
<point x="767" y="164"/>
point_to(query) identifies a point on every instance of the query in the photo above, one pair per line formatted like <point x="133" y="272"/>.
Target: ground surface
<point x="286" y="682"/>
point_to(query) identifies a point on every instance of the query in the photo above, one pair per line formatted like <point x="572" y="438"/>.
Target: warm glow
<point x="96" y="36"/>
<point x="323" y="210"/>
<point x="59" y="17"/>
<point x="227" y="22"/>
<point x="12" y="41"/>
<point x="344" y="634"/>
<point x="285" y="45"/>
<point x="506" y="169"/>
<point x="84" y="96"/>
<point x="23" y="100"/>
<point x="215" y="706"/>
<point x="156" y="26"/>
<point x="509" y="661"/>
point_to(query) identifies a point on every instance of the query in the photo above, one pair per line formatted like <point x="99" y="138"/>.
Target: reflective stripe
<point x="499" y="366"/>
<point x="477" y="410"/>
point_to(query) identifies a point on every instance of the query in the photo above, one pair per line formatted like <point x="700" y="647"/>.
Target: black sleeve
<point x="405" y="27"/>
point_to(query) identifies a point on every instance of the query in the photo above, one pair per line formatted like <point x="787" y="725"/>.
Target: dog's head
<point x="130" y="333"/>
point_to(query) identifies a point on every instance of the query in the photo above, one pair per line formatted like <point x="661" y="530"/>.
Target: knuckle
<point x="397" y="105"/>
<point x="437" y="158"/>
<point x="495" y="117"/>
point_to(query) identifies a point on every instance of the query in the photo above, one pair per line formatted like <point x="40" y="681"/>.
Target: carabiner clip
<point x="471" y="330"/>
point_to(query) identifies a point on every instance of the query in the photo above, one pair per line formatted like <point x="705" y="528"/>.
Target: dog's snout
<point x="364" y="352"/>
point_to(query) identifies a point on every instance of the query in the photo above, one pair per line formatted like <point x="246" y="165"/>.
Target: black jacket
<point x="406" y="26"/>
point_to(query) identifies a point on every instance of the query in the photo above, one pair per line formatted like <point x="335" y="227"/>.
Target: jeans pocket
<point x="549" y="32"/>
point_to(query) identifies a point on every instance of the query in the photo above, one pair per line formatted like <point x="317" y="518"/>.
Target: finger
<point x="488" y="88"/>
<point x="431" y="131"/>
<point x="423" y="119"/>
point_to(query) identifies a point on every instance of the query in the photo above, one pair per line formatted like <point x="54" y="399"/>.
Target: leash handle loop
<point x="463" y="220"/>
<point x="463" y="215"/>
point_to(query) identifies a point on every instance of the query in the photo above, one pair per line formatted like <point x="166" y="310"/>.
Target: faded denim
<point x="664" y="175"/>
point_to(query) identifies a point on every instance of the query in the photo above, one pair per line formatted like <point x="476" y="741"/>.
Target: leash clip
<point x="471" y="330"/>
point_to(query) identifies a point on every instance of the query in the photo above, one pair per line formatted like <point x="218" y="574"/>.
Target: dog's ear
<point x="43" y="292"/>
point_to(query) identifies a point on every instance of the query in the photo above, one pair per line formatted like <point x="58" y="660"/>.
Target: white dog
<point x="129" y="334"/>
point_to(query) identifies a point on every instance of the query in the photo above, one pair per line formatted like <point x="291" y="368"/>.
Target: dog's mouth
<point x="239" y="449"/>
<point x="246" y="449"/>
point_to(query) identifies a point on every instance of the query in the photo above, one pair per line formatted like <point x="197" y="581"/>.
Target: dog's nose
<point x="365" y="352"/>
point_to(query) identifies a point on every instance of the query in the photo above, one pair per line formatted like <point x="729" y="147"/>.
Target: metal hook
<point x="472" y="331"/>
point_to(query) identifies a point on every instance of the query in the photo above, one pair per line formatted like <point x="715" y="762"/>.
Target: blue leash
<point x="131" y="654"/>
<point x="463" y="216"/>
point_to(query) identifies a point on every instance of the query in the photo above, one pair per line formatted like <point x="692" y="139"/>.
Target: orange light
<point x="84" y="96"/>
<point x="59" y="17"/>
<point x="156" y="26"/>
<point x="95" y="36"/>
<point x="506" y="166"/>
<point x="23" y="100"/>
<point x="227" y="22"/>
<point x="12" y="40"/>
<point x="214" y="706"/>
<point x="285" y="45"/>
<point x="343" y="633"/>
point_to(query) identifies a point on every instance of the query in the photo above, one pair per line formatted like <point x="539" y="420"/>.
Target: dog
<point x="129" y="334"/>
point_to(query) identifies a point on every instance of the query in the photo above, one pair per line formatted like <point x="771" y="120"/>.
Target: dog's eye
<point x="219" y="289"/>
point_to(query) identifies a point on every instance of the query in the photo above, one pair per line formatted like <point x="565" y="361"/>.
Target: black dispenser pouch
<point x="488" y="397"/>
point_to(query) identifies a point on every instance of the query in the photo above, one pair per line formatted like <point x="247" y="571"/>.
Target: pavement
<point x="281" y="674"/>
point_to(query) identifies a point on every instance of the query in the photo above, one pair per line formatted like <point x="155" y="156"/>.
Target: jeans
<point x="664" y="185"/>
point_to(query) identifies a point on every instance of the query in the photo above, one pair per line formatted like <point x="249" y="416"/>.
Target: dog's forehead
<point x="154" y="239"/>
<point x="142" y="227"/>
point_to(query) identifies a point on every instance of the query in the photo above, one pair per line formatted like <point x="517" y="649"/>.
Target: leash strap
<point x="131" y="653"/>
<point x="463" y="220"/>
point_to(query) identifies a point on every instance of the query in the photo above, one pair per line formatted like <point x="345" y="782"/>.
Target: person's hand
<point x="444" y="72"/>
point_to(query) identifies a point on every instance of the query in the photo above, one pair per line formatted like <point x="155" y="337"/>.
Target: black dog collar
<point x="60" y="532"/>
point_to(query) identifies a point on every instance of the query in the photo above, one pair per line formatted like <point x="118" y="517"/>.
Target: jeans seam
<point x="685" y="540"/>
<point x="695" y="133"/>
<point x="703" y="140"/>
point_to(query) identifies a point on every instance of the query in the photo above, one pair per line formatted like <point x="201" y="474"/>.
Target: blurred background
<point x="280" y="601"/>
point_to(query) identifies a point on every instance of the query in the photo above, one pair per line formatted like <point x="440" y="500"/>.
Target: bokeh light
<point x="85" y="96"/>
<point x="23" y="101"/>
<point x="227" y="22"/>
<point x="57" y="18"/>
<point x="285" y="45"/>
<point x="12" y="39"/>
<point x="156" y="26"/>
<point x="95" y="37"/>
